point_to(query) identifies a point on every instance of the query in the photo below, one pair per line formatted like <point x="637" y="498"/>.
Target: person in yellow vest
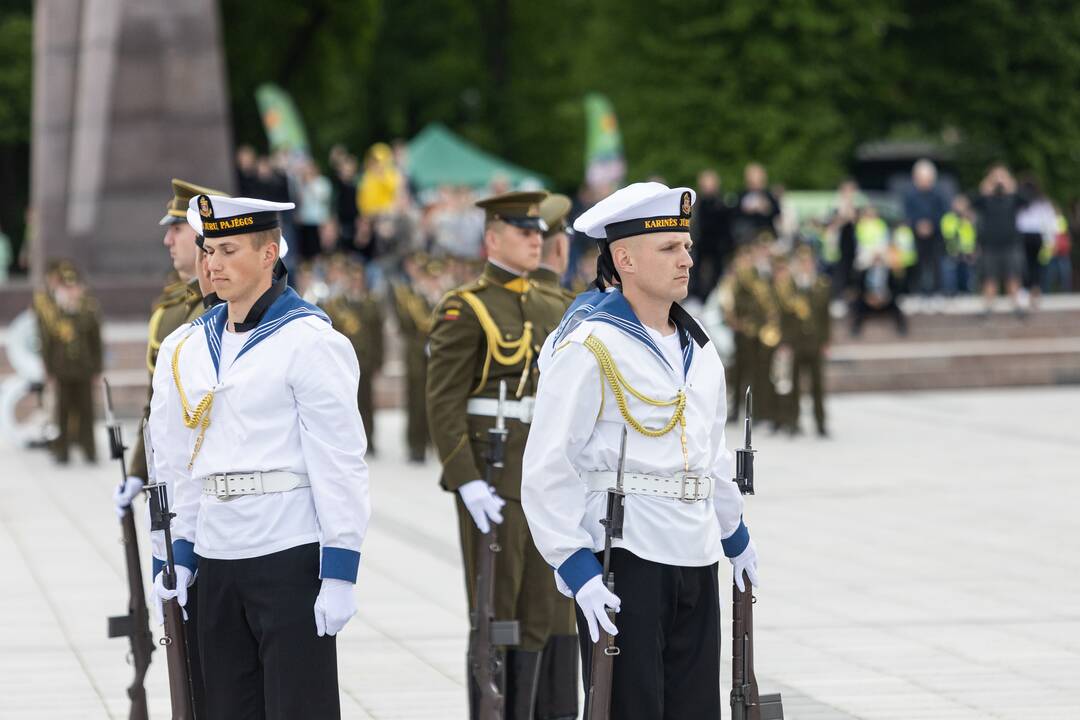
<point x="903" y="256"/>
<point x="485" y="333"/>
<point x="1058" y="274"/>
<point x="958" y="230"/>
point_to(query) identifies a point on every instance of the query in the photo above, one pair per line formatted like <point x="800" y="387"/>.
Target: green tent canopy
<point x="437" y="157"/>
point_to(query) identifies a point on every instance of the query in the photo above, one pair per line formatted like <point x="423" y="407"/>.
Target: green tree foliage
<point x="797" y="84"/>
<point x="16" y="60"/>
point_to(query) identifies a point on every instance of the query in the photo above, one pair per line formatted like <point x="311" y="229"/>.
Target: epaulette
<point x="173" y="294"/>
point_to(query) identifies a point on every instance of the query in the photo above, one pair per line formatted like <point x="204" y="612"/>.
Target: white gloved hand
<point x="122" y="496"/>
<point x="334" y="606"/>
<point x="482" y="503"/>
<point x="746" y="560"/>
<point x="184" y="578"/>
<point x="593" y="599"/>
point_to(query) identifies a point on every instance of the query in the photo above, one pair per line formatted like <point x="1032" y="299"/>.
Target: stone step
<point x="951" y="349"/>
<point x="960" y="364"/>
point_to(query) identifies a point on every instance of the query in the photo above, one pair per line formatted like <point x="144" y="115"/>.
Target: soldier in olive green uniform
<point x="485" y="332"/>
<point x="756" y="321"/>
<point x="812" y="308"/>
<point x="555" y="257"/>
<point x="70" y="332"/>
<point x="557" y="697"/>
<point x="180" y="302"/>
<point x="413" y="310"/>
<point x="355" y="314"/>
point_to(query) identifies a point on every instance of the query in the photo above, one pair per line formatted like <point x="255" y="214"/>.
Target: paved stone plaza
<point x="924" y="563"/>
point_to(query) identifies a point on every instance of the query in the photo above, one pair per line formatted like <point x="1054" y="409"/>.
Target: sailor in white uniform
<point x="254" y="423"/>
<point x="638" y="360"/>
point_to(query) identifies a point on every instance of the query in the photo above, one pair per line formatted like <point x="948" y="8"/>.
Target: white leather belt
<point x="688" y="487"/>
<point x="521" y="410"/>
<point x="227" y="485"/>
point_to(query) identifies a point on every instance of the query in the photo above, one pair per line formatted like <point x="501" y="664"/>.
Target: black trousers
<point x="668" y="667"/>
<point x="261" y="656"/>
<point x="191" y="635"/>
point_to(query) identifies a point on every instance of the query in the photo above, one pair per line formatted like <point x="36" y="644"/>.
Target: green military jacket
<point x="805" y="323"/>
<point x="71" y="347"/>
<point x="360" y="320"/>
<point x="413" y="315"/>
<point x="484" y="332"/>
<point x="756" y="314"/>
<point x="178" y="304"/>
<point x="547" y="279"/>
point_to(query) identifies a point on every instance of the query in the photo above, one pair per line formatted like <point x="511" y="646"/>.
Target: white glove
<point x="334" y="606"/>
<point x="593" y="598"/>
<point x="184" y="578"/>
<point x="122" y="496"/>
<point x="482" y="503"/>
<point x="746" y="560"/>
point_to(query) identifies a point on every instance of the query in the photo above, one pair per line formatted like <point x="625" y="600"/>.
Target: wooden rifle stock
<point x="489" y="637"/>
<point x="602" y="654"/>
<point x="746" y="702"/>
<point x="136" y="624"/>
<point x="181" y="694"/>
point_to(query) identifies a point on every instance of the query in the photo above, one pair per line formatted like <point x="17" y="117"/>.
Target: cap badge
<point x="204" y="206"/>
<point x="685" y="205"/>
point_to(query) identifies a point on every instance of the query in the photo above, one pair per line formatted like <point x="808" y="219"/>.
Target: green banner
<point x="284" y="128"/>
<point x="604" y="164"/>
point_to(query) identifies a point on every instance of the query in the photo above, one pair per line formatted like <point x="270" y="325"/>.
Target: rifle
<point x="746" y="702"/>
<point x="136" y="624"/>
<point x="174" y="639"/>
<point x="602" y="657"/>
<point x="487" y="636"/>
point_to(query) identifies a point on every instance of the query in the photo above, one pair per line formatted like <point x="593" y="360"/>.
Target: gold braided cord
<point x="154" y="345"/>
<point x="618" y="383"/>
<point x="521" y="348"/>
<point x="200" y="418"/>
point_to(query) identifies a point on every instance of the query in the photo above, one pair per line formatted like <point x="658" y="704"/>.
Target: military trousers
<point x="260" y="652"/>
<point x="524" y="583"/>
<point x="365" y="400"/>
<point x="416" y="430"/>
<point x="668" y="666"/>
<point x="812" y="365"/>
<point x="74" y="418"/>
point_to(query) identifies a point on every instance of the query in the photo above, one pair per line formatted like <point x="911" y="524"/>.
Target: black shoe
<point x="823" y="433"/>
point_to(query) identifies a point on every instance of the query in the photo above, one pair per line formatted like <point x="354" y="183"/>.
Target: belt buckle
<point x="221" y="486"/>
<point x="696" y="479"/>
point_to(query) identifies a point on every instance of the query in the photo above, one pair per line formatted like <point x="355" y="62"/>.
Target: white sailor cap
<point x="638" y="209"/>
<point x="219" y="216"/>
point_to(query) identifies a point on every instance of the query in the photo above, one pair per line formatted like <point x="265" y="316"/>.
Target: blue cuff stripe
<point x="737" y="541"/>
<point x="184" y="554"/>
<point x="579" y="568"/>
<point x="155" y="566"/>
<point x="339" y="563"/>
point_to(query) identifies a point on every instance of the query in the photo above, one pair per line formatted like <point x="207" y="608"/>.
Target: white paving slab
<point x="924" y="563"/>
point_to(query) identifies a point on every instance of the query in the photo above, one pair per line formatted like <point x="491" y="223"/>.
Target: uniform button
<point x="508" y="336"/>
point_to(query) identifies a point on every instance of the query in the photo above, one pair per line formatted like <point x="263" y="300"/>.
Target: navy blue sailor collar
<point x="614" y="310"/>
<point x="287" y="307"/>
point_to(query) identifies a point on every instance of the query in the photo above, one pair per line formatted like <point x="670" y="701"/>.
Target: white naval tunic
<point x="577" y="427"/>
<point x="285" y="401"/>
